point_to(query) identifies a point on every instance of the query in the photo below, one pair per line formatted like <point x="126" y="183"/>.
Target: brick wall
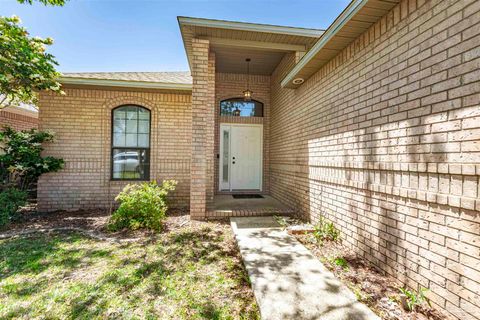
<point x="203" y="120"/>
<point x="18" y="119"/>
<point x="229" y="85"/>
<point x="81" y="121"/>
<point x="385" y="141"/>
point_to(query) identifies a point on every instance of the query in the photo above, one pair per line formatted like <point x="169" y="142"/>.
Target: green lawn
<point x="191" y="273"/>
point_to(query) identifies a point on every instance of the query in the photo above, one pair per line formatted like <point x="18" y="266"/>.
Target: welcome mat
<point x="247" y="196"/>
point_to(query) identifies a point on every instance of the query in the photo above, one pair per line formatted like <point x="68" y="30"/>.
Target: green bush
<point x="10" y="201"/>
<point x="142" y="206"/>
<point x="21" y="161"/>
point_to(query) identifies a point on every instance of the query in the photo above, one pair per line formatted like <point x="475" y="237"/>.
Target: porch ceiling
<point x="233" y="42"/>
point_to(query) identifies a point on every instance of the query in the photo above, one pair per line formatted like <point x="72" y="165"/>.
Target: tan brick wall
<point x="81" y="121"/>
<point x="385" y="141"/>
<point x="17" y="119"/>
<point x="229" y="85"/>
<point x="203" y="128"/>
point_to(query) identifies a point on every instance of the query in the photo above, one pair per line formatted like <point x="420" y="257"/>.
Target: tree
<point x="45" y="2"/>
<point x="21" y="162"/>
<point x="25" y="66"/>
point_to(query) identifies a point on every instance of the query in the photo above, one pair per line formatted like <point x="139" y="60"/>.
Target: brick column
<point x="203" y="91"/>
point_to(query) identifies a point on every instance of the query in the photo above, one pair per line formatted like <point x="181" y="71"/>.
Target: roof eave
<point x="342" y="19"/>
<point x="126" y="84"/>
<point x="247" y="26"/>
<point x="306" y="65"/>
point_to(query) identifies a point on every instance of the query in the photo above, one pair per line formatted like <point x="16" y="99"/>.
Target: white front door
<point x="240" y="157"/>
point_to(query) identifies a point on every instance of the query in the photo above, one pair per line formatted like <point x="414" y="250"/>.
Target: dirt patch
<point x="379" y="291"/>
<point x="96" y="220"/>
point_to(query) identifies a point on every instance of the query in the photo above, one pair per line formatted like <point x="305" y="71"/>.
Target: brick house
<point x="19" y="118"/>
<point x="374" y="123"/>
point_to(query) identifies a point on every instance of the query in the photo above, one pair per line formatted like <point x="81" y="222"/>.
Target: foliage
<point x="142" y="206"/>
<point x="25" y="66"/>
<point x="326" y="230"/>
<point x="10" y="201"/>
<point x="341" y="262"/>
<point x="414" y="299"/>
<point x="188" y="273"/>
<point x="45" y="2"/>
<point x="21" y="162"/>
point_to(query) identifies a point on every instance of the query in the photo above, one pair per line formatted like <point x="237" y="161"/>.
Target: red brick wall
<point x="18" y="119"/>
<point x="385" y="141"/>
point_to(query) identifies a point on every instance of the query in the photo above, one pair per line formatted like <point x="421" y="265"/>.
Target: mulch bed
<point x="377" y="290"/>
<point x="96" y="220"/>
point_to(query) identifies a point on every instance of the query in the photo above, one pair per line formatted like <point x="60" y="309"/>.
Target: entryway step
<point x="288" y="281"/>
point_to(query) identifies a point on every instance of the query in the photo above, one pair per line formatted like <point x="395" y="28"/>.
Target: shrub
<point x="326" y="230"/>
<point x="21" y="162"/>
<point x="10" y="201"/>
<point x="142" y="206"/>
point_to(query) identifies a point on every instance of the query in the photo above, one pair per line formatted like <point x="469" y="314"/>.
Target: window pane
<point x="238" y="107"/>
<point x="130" y="164"/>
<point x="119" y="139"/>
<point x="143" y="126"/>
<point x="131" y="132"/>
<point x="131" y="126"/>
<point x="118" y="126"/>
<point x="131" y="140"/>
<point x="132" y="113"/>
<point x="126" y="164"/>
<point x="119" y="113"/>
<point x="225" y="156"/>
<point x="143" y="140"/>
<point x="143" y="114"/>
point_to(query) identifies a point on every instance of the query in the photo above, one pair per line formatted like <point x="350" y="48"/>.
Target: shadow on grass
<point x="179" y="268"/>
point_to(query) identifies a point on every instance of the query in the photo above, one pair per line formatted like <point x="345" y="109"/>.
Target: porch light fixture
<point x="247" y="94"/>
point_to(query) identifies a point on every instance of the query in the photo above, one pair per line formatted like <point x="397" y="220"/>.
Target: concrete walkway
<point x="288" y="281"/>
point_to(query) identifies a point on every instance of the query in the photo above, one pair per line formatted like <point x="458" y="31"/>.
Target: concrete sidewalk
<point x="288" y="281"/>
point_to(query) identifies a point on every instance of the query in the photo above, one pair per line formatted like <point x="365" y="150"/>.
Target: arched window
<point x="240" y="108"/>
<point x="130" y="143"/>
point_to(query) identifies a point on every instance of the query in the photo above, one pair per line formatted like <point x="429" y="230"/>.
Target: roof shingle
<point x="182" y="77"/>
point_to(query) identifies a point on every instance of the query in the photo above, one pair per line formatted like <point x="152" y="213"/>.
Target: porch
<point x="229" y="205"/>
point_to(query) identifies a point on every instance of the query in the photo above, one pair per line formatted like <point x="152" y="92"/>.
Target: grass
<point x="192" y="273"/>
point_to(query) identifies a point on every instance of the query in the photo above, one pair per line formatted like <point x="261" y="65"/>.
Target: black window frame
<point x="239" y="99"/>
<point x="126" y="149"/>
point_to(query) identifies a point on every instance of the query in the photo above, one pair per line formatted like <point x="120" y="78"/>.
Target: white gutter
<point x="342" y="19"/>
<point x="126" y="84"/>
<point x="244" y="26"/>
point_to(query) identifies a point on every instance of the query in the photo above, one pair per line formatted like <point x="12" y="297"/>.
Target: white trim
<point x="259" y="45"/>
<point x="126" y="84"/>
<point x="245" y="26"/>
<point x="342" y="19"/>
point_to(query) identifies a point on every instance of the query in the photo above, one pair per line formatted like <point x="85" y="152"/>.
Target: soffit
<point x="233" y="42"/>
<point x="357" y="18"/>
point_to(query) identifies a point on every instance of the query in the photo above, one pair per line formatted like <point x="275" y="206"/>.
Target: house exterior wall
<point x="384" y="140"/>
<point x="81" y="121"/>
<point x="203" y="128"/>
<point x="18" y="119"/>
<point x="229" y="85"/>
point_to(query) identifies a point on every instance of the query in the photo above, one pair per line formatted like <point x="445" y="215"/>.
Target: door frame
<point x="220" y="162"/>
